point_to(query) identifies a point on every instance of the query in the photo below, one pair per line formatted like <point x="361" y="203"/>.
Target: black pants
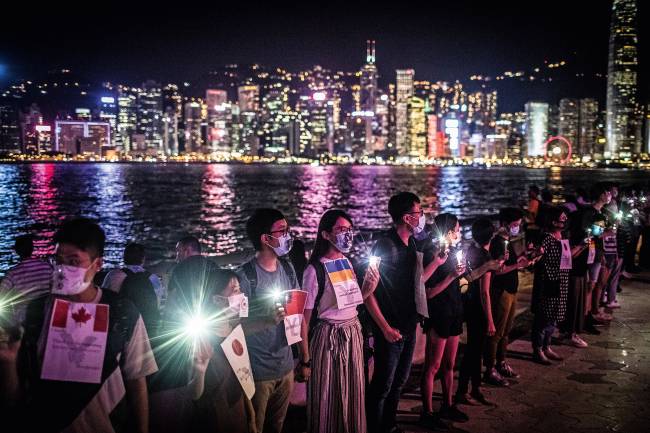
<point x="470" y="368"/>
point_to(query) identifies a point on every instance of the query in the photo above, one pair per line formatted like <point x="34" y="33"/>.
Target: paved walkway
<point x="605" y="387"/>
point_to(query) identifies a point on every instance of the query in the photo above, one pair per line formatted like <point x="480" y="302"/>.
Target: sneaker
<point x="494" y="378"/>
<point x="578" y="342"/>
<point x="550" y="354"/>
<point x="540" y="358"/>
<point x="603" y="317"/>
<point x="452" y="413"/>
<point x="505" y="370"/>
<point x="613" y="304"/>
<point x="465" y="399"/>
<point x="619" y="289"/>
<point x="432" y="422"/>
<point x="626" y="275"/>
<point x="480" y="398"/>
<point x="395" y="429"/>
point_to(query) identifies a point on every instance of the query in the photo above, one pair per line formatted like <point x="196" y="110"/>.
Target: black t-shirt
<point x="508" y="281"/>
<point x="395" y="293"/>
<point x="580" y="222"/>
<point x="476" y="257"/>
<point x="449" y="301"/>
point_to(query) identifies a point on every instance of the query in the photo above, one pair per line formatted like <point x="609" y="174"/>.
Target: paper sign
<point x="76" y="342"/>
<point x="592" y="253"/>
<point x="346" y="288"/>
<point x="420" y="291"/>
<point x="565" y="261"/>
<point x="294" y="306"/>
<point x="236" y="351"/>
<point x="243" y="307"/>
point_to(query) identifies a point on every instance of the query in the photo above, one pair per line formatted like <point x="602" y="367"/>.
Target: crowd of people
<point x="362" y="308"/>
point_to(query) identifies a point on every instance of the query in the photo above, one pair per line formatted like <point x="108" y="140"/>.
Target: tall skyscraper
<point x="536" y="128"/>
<point x="193" y="119"/>
<point x="108" y="113"/>
<point x="404" y="92"/>
<point x="150" y="116"/>
<point x="569" y="121"/>
<point x="587" y="128"/>
<point x="219" y="120"/>
<point x="127" y="117"/>
<point x="368" y="99"/>
<point x="9" y="129"/>
<point x="623" y="118"/>
<point x="417" y="128"/>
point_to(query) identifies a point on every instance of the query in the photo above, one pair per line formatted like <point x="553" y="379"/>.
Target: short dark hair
<point x="482" y="231"/>
<point x="547" y="195"/>
<point x="553" y="214"/>
<point x="597" y="190"/>
<point x="534" y="188"/>
<point x="510" y="214"/>
<point x="84" y="234"/>
<point x="260" y="223"/>
<point x="400" y="204"/>
<point x="445" y="222"/>
<point x="24" y="246"/>
<point x="191" y="242"/>
<point x="134" y="254"/>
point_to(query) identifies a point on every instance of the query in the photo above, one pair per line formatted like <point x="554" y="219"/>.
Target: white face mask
<point x="69" y="280"/>
<point x="286" y="242"/>
<point x="418" y="228"/>
<point x="237" y="304"/>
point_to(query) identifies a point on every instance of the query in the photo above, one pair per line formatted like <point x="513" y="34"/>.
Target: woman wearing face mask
<point x="550" y="286"/>
<point x="220" y="402"/>
<point x="445" y="323"/>
<point x="336" y="390"/>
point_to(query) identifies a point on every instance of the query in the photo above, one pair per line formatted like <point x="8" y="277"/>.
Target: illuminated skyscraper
<point x="368" y="99"/>
<point x="536" y="128"/>
<point x="126" y="117"/>
<point x="403" y="94"/>
<point x="587" y="128"/>
<point x="9" y="129"/>
<point x="219" y="120"/>
<point x="416" y="128"/>
<point x="150" y="115"/>
<point x="569" y="120"/>
<point x="108" y="113"/>
<point x="193" y="119"/>
<point x="623" y="117"/>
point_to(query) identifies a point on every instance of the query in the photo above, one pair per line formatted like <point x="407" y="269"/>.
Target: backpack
<point x="251" y="273"/>
<point x="138" y="288"/>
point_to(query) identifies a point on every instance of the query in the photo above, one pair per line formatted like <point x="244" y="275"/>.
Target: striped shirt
<point x="30" y="278"/>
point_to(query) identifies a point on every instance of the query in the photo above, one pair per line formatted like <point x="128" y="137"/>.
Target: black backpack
<point x="138" y="288"/>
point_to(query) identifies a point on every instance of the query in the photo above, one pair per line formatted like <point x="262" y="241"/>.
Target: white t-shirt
<point x="327" y="307"/>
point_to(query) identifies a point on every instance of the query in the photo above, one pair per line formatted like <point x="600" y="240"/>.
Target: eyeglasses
<point x="420" y="213"/>
<point x="346" y="230"/>
<point x="282" y="232"/>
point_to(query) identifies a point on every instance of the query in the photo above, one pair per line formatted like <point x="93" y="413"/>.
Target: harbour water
<point x="158" y="203"/>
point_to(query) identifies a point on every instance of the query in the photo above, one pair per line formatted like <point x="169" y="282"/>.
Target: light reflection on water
<point x="158" y="204"/>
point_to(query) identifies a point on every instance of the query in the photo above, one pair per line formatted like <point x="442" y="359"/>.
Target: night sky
<point x="440" y="40"/>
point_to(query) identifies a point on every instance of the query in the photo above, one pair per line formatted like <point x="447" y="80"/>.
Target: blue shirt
<point x="270" y="355"/>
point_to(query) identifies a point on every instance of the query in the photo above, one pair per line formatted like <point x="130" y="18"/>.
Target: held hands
<point x="370" y="280"/>
<point x="523" y="262"/>
<point x="202" y="356"/>
<point x="440" y="258"/>
<point x="494" y="265"/>
<point x="303" y="373"/>
<point x="391" y="334"/>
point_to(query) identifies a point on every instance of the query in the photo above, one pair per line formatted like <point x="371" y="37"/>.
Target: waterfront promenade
<point x="604" y="387"/>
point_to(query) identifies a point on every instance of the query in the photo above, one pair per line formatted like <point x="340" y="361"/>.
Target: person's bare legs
<point x="435" y="349"/>
<point x="448" y="362"/>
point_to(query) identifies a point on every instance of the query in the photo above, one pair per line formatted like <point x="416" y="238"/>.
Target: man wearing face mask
<point x="267" y="273"/>
<point x="75" y="406"/>
<point x="393" y="310"/>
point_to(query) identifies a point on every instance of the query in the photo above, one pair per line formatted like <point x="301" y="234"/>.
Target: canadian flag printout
<point x="76" y="342"/>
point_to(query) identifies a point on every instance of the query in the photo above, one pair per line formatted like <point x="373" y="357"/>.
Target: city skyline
<point x="368" y="111"/>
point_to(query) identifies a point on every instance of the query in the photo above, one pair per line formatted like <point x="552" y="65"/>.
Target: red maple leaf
<point x="81" y="316"/>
